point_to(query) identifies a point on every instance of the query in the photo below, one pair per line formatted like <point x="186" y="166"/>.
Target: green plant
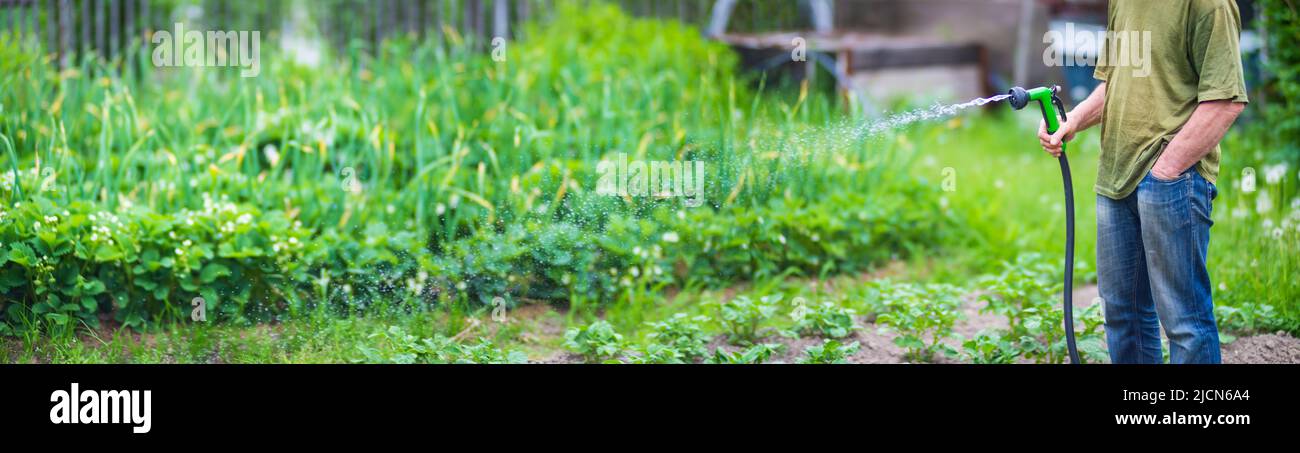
<point x="1028" y="294"/>
<point x="990" y="348"/>
<point x="684" y="334"/>
<point x="395" y="345"/>
<point x="742" y="316"/>
<point x="830" y="351"/>
<point x="1281" y="21"/>
<point x="596" y="342"/>
<point x="826" y="319"/>
<point x="755" y="354"/>
<point x="923" y="316"/>
<point x="655" y="353"/>
<point x="1248" y="317"/>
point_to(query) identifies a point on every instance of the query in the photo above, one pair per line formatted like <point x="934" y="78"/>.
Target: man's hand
<point x="1164" y="173"/>
<point x="1052" y="143"/>
<point x="1198" y="137"/>
<point x="1085" y="115"/>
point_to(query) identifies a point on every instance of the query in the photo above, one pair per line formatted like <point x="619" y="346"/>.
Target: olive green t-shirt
<point x="1160" y="59"/>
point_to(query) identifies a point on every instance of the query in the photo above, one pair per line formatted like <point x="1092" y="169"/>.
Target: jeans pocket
<point x="1181" y="176"/>
<point x="1168" y="203"/>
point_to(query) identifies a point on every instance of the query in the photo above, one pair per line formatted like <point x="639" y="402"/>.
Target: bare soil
<point x="877" y="343"/>
<point x="1268" y="348"/>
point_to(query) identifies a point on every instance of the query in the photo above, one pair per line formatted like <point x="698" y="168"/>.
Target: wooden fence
<point x="75" y="29"/>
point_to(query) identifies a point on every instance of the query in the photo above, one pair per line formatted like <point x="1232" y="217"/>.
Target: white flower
<point x="671" y="236"/>
<point x="1263" y="204"/>
<point x="187" y="243"/>
<point x="1277" y="233"/>
<point x="781" y="237"/>
<point x="1273" y="173"/>
<point x="180" y="252"/>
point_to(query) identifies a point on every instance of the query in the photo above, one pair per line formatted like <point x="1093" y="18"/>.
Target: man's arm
<point x="1085" y="115"/>
<point x="1203" y="131"/>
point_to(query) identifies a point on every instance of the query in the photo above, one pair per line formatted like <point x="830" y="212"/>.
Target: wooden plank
<point x="915" y="56"/>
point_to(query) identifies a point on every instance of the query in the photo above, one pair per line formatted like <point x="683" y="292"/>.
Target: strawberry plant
<point x="596" y="342"/>
<point x="829" y="352"/>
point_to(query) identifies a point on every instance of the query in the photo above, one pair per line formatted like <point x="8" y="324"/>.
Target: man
<point x="1160" y="130"/>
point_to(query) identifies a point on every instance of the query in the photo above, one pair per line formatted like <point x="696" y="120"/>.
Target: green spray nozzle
<point x="1048" y="101"/>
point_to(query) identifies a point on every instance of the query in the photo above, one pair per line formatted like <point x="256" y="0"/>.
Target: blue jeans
<point x="1151" y="249"/>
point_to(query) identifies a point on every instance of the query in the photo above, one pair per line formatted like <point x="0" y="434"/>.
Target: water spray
<point x="1050" y="104"/>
